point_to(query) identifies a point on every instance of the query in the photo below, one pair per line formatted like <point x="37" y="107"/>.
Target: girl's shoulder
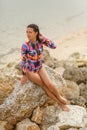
<point x="25" y="44"/>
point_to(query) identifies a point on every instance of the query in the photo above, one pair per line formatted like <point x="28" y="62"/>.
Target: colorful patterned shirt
<point x="32" y="54"/>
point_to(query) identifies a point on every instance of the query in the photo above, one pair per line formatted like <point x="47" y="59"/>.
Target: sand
<point x="72" y="43"/>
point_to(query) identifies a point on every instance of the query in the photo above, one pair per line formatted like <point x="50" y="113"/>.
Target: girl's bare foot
<point x="65" y="108"/>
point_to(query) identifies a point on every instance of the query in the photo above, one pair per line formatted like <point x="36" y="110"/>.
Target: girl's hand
<point x="23" y="79"/>
<point x="41" y="37"/>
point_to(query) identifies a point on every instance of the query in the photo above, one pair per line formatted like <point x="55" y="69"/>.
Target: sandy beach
<point x="72" y="43"/>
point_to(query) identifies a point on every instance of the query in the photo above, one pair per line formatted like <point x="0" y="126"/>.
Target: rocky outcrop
<point x="24" y="99"/>
<point x="28" y="107"/>
<point x="26" y="124"/>
<point x="72" y="91"/>
<point x="53" y="117"/>
<point x="76" y="117"/>
<point x="76" y="74"/>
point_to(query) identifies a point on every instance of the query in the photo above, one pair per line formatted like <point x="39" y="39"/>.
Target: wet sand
<point x="72" y="43"/>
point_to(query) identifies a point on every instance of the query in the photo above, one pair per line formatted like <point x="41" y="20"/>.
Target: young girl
<point x="32" y="67"/>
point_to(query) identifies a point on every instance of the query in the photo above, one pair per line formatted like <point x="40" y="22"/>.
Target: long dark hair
<point x="36" y="29"/>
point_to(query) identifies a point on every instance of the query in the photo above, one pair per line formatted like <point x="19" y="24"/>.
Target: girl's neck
<point x="34" y="41"/>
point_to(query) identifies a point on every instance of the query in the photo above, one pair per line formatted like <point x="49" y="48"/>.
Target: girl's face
<point x="31" y="34"/>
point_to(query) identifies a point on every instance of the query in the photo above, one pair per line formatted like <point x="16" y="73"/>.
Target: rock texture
<point x="26" y="124"/>
<point x="76" y="74"/>
<point x="28" y="107"/>
<point x="24" y="99"/>
<point x="53" y="117"/>
<point x="72" y="91"/>
<point x="76" y="117"/>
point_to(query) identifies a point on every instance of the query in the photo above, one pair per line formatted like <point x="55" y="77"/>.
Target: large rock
<point x="50" y="116"/>
<point x="72" y="91"/>
<point x="26" y="124"/>
<point x="76" y="74"/>
<point x="30" y="101"/>
<point x="24" y="99"/>
<point x="53" y="117"/>
<point x="77" y="117"/>
<point x="83" y="90"/>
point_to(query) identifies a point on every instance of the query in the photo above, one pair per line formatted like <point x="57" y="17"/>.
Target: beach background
<point x="63" y="21"/>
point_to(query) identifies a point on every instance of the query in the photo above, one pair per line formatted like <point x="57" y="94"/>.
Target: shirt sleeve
<point x="23" y="57"/>
<point x="48" y="43"/>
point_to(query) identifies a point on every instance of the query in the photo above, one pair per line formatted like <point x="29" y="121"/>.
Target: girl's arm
<point x="47" y="42"/>
<point x="23" y="58"/>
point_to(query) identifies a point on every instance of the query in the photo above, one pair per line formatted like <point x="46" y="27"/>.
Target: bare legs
<point x="52" y="88"/>
<point x="43" y="80"/>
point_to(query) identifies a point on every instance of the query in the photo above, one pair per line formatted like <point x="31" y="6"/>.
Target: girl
<point x="32" y="67"/>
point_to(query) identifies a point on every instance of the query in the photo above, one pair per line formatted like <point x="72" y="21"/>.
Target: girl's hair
<point x="36" y="29"/>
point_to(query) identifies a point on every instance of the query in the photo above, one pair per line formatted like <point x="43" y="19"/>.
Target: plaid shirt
<point x="32" y="54"/>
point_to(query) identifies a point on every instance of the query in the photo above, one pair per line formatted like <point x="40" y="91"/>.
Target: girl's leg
<point x="45" y="78"/>
<point x="34" y="77"/>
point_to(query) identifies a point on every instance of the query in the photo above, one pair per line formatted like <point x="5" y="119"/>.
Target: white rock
<point x="76" y="117"/>
<point x="53" y="127"/>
